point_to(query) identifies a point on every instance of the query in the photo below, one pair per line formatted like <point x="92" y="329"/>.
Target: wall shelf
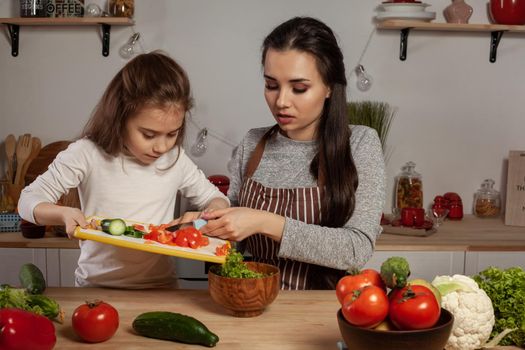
<point x="14" y="24"/>
<point x="496" y="32"/>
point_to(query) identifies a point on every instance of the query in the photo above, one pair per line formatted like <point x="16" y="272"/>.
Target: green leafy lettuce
<point x="235" y="267"/>
<point x="506" y="290"/>
<point x="40" y="304"/>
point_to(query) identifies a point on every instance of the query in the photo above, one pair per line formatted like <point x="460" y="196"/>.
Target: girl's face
<point x="152" y="132"/>
<point x="295" y="92"/>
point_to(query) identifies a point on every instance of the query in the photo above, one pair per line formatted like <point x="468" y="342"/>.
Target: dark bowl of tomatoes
<point x="434" y="338"/>
<point x="245" y="297"/>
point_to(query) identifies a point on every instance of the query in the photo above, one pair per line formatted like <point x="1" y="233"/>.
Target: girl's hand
<point x="236" y="224"/>
<point x="73" y="217"/>
<point x="187" y="217"/>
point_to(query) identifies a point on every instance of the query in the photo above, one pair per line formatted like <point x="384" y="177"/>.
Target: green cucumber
<point x="175" y="327"/>
<point x="32" y="279"/>
<point x="115" y="227"/>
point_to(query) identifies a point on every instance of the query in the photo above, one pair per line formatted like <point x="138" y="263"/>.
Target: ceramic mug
<point x="511" y="12"/>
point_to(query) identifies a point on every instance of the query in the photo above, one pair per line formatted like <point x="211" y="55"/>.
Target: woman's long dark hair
<point x="333" y="165"/>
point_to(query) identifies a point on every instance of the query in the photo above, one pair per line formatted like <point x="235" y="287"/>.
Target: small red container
<point x="411" y="217"/>
<point x="511" y="12"/>
<point x="30" y="230"/>
<point x="221" y="181"/>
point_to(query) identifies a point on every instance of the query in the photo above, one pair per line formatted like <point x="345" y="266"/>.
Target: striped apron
<point x="302" y="204"/>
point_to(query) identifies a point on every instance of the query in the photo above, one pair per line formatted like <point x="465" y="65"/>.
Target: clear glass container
<point x="487" y="201"/>
<point x="408" y="189"/>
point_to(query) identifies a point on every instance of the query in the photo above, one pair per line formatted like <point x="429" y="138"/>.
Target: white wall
<point x="457" y="114"/>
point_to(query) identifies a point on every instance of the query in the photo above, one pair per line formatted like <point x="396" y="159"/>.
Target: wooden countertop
<point x="469" y="234"/>
<point x="295" y="320"/>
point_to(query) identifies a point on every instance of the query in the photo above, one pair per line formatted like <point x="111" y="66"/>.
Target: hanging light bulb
<point x="127" y="50"/>
<point x="364" y="80"/>
<point x="201" y="145"/>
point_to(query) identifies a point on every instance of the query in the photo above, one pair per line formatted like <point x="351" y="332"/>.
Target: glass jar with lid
<point x="487" y="201"/>
<point x="408" y="189"/>
<point x="121" y="8"/>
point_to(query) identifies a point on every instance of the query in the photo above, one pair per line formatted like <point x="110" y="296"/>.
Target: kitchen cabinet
<point x="478" y="261"/>
<point x="14" y="24"/>
<point x="405" y="26"/>
<point x="466" y="247"/>
<point x="12" y="259"/>
<point x="424" y="265"/>
<point x="57" y="265"/>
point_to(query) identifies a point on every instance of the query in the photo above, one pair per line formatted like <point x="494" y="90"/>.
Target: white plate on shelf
<point x="403" y="7"/>
<point x="416" y="16"/>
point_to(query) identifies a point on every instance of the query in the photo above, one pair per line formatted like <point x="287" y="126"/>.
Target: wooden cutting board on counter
<point x="407" y="231"/>
<point x="45" y="157"/>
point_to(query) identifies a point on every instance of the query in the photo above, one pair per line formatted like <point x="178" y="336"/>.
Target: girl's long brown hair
<point x="333" y="165"/>
<point x="151" y="79"/>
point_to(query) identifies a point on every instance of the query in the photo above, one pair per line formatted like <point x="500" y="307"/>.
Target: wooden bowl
<point x="435" y="338"/>
<point x="245" y="297"/>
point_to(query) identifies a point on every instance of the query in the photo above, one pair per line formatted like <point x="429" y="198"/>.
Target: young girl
<point x="311" y="188"/>
<point x="128" y="164"/>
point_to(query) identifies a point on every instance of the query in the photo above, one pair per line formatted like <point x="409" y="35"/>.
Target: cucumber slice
<point x="115" y="227"/>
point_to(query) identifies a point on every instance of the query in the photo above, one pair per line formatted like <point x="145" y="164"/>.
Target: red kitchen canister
<point x="221" y="181"/>
<point x="510" y="12"/>
<point x="455" y="206"/>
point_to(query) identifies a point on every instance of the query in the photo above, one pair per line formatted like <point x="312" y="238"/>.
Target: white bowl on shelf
<point x="404" y="7"/>
<point x="414" y="16"/>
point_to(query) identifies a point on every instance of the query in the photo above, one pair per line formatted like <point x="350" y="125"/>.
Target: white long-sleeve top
<point x="119" y="187"/>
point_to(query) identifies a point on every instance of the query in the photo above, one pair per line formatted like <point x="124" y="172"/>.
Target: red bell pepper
<point x="21" y="329"/>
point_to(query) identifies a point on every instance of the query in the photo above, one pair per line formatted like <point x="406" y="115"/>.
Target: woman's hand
<point x="236" y="224"/>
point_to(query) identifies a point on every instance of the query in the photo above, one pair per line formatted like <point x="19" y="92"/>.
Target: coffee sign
<point x="515" y="208"/>
<point x="65" y="8"/>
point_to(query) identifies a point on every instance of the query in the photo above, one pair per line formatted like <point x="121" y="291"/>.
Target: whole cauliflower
<point x="472" y="310"/>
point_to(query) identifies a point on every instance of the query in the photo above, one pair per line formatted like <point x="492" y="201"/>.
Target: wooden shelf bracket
<point x="104" y="23"/>
<point x="106" y="28"/>
<point x="495" y="38"/>
<point x="14" y="32"/>
<point x="403" y="44"/>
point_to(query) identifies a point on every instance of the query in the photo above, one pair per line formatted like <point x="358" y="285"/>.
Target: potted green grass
<point x="374" y="114"/>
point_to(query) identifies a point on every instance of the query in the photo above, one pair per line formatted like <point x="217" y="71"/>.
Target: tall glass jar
<point x="32" y="8"/>
<point x="121" y="8"/>
<point x="408" y="189"/>
<point x="487" y="201"/>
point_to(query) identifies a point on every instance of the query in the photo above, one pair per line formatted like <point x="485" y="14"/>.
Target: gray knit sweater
<point x="286" y="164"/>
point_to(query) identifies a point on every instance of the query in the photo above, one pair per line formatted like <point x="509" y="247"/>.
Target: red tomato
<point x="223" y="250"/>
<point x="139" y="227"/>
<point x="349" y="283"/>
<point x="95" y="321"/>
<point x="182" y="239"/>
<point x="414" y="307"/>
<point x="366" y="307"/>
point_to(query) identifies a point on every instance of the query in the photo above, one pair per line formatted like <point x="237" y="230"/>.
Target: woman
<point x="310" y="189"/>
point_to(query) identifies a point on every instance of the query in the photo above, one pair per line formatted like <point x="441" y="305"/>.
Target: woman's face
<point x="151" y="132"/>
<point x="295" y="92"/>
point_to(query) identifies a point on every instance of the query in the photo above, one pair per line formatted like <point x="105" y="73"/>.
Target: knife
<point x="195" y="223"/>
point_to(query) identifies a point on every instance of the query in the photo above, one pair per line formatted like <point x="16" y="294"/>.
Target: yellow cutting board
<point x="206" y="253"/>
